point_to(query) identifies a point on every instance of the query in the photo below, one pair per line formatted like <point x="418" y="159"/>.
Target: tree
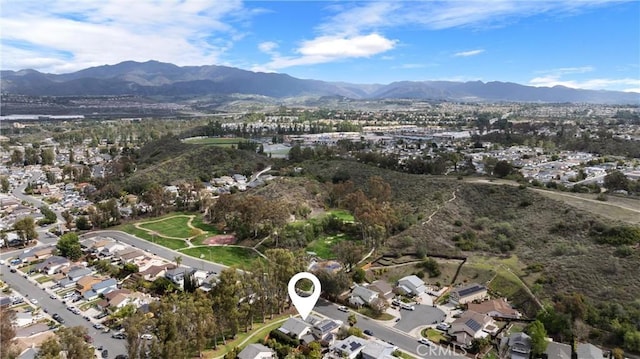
<point x="352" y="320"/>
<point x="538" y="337"/>
<point x="69" y="340"/>
<point x="617" y="353"/>
<point x="17" y="157"/>
<point x="359" y="275"/>
<point x="178" y="260"/>
<point x="502" y="169"/>
<point x="48" y="156"/>
<point x="82" y="223"/>
<point x="632" y="340"/>
<point x="4" y="184"/>
<point x="69" y="246"/>
<point x="348" y="252"/>
<point x="7" y="333"/>
<point x="333" y="284"/>
<point x="26" y="229"/>
<point x="616" y="180"/>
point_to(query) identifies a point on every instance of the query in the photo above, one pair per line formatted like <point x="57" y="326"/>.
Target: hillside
<point x="499" y="220"/>
<point x="168" y="159"/>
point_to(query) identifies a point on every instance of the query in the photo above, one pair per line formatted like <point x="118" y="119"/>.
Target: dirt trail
<point x="453" y="197"/>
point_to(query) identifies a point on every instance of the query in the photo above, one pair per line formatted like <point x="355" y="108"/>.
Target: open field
<point x="342" y="214"/>
<point x="177" y="226"/>
<point x="215" y="141"/>
<point x="615" y="208"/>
<point x="229" y="256"/>
<point x="322" y="246"/>
<point x="140" y="233"/>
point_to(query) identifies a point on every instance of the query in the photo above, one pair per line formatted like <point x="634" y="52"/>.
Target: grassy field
<point x="433" y="335"/>
<point x="199" y="223"/>
<point x="322" y="246"/>
<point x="215" y="141"/>
<point x="170" y="227"/>
<point x="165" y="242"/>
<point x="229" y="256"/>
<point x="342" y="214"/>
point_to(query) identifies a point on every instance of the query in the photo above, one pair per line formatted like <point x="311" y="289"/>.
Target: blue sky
<point x="577" y="43"/>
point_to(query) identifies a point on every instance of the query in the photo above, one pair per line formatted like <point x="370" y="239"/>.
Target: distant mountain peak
<point x="153" y="77"/>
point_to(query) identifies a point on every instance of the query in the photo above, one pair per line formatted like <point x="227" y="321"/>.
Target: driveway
<point x="422" y="315"/>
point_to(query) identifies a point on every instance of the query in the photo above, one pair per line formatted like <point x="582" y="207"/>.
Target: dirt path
<point x="453" y="197"/>
<point x="606" y="203"/>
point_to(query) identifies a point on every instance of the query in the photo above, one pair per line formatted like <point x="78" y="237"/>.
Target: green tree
<point x="352" y="320"/>
<point x="17" y="157"/>
<point x="538" y="337"/>
<point x="632" y="341"/>
<point x="616" y="180"/>
<point x="502" y="169"/>
<point x="82" y="223"/>
<point x="48" y="156"/>
<point x="26" y="229"/>
<point x="348" y="252"/>
<point x="359" y="275"/>
<point x="69" y="340"/>
<point x="4" y="184"/>
<point x="69" y="246"/>
<point x="7" y="333"/>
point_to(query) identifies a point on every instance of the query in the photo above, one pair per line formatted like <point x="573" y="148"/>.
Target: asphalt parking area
<point x="422" y="315"/>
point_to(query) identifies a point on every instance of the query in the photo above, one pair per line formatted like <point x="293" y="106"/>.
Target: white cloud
<point x="325" y="49"/>
<point x="70" y="35"/>
<point x="624" y="84"/>
<point x="268" y="47"/>
<point x="568" y="70"/>
<point x="468" y="53"/>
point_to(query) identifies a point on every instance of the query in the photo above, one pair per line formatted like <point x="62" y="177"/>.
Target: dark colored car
<point x="368" y="332"/>
<point x="58" y="318"/>
<point x="105" y="353"/>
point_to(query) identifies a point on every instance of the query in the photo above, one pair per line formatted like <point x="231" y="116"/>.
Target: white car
<point x="146" y="336"/>
<point x="407" y="306"/>
<point x="34" y="301"/>
<point x="425" y="341"/>
<point x="342" y="308"/>
<point x="443" y="326"/>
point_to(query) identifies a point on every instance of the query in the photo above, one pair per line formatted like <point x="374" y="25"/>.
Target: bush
<point x="616" y="236"/>
<point x="283" y="338"/>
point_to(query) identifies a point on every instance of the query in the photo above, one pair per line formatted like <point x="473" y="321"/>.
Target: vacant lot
<point x="177" y="226"/>
<point x="229" y="256"/>
<point x="615" y="208"/>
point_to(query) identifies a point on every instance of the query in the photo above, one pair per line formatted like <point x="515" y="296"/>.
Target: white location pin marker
<point x="304" y="305"/>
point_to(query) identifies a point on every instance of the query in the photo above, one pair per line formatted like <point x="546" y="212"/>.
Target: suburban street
<point x="157" y="250"/>
<point x="384" y="332"/>
<point x="31" y="290"/>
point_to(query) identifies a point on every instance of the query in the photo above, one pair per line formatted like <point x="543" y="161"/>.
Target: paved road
<point x="381" y="331"/>
<point x="29" y="289"/>
<point x="159" y="250"/>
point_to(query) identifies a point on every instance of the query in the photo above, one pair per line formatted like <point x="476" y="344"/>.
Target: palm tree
<point x="178" y="260"/>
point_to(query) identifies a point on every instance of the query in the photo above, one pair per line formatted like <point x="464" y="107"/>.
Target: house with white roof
<point x="412" y="285"/>
<point x="256" y="351"/>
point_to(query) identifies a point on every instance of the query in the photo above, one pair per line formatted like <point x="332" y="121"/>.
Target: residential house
<point x="349" y="348"/>
<point x="5" y="302"/>
<point x="588" y="351"/>
<point x="109" y="249"/>
<point x="377" y="349"/>
<point x="52" y="265"/>
<point x="295" y="328"/>
<point x="44" y="253"/>
<point x="101" y="287"/>
<point x="472" y="325"/>
<point x="154" y="272"/>
<point x="256" y="351"/>
<point x="519" y="345"/>
<point x="384" y="289"/>
<point x="130" y="255"/>
<point x="495" y="308"/>
<point x="73" y="275"/>
<point x="85" y="283"/>
<point x="362" y="295"/>
<point x="176" y="274"/>
<point x="468" y="293"/>
<point x="23" y="319"/>
<point x="412" y="285"/>
<point x="325" y="329"/>
<point x="558" y="351"/>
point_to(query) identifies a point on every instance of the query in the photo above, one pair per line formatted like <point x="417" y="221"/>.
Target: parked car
<point x="105" y="353"/>
<point x="425" y="341"/>
<point x="12" y="270"/>
<point x="146" y="336"/>
<point x="443" y="326"/>
<point x="407" y="306"/>
<point x="119" y="336"/>
<point x="53" y="296"/>
<point x="58" y="318"/>
<point x="368" y="332"/>
<point x="98" y="326"/>
<point x="342" y="308"/>
<point x="34" y="301"/>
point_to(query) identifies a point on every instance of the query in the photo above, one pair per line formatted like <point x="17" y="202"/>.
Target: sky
<point x="591" y="44"/>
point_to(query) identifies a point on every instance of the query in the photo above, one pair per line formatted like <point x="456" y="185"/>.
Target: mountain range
<point x="158" y="79"/>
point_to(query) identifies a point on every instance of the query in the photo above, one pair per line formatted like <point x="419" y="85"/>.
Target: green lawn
<point x="215" y="141"/>
<point x="229" y="256"/>
<point x="170" y="227"/>
<point x="434" y="335"/>
<point x="259" y="332"/>
<point x="199" y="223"/>
<point x="165" y="242"/>
<point x="43" y="279"/>
<point x="322" y="246"/>
<point x="344" y="215"/>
